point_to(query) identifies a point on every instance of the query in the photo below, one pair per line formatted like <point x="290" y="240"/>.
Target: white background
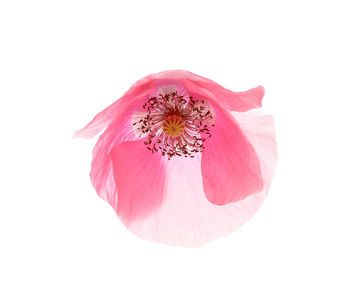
<point x="61" y="62"/>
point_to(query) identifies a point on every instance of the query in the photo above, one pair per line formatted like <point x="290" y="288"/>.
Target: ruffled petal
<point x="105" y="117"/>
<point x="140" y="179"/>
<point x="230" y="166"/>
<point x="99" y="122"/>
<point x="245" y="100"/>
<point x="236" y="101"/>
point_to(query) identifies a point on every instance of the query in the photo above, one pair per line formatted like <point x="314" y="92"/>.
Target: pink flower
<point x="183" y="160"/>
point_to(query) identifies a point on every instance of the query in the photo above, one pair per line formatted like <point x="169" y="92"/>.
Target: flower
<point x="182" y="160"/>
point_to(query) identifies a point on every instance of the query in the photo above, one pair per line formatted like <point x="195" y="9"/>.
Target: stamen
<point x="175" y="125"/>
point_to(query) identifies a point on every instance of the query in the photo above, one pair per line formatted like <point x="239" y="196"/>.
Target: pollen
<point x="174" y="126"/>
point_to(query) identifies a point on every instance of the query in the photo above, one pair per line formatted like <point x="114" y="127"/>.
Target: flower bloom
<point x="183" y="160"/>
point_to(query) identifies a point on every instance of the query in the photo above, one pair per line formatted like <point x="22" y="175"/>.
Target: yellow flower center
<point x="174" y="126"/>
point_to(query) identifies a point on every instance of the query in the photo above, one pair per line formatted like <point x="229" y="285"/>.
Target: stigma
<point x="174" y="123"/>
<point x="174" y="126"/>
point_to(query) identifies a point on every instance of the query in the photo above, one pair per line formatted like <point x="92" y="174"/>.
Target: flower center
<point x="174" y="126"/>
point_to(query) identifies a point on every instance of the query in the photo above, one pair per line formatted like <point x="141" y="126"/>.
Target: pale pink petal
<point x="185" y="217"/>
<point x="140" y="179"/>
<point x="259" y="129"/>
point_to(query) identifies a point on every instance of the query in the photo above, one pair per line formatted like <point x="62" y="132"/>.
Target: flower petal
<point x="230" y="166"/>
<point x="99" y="122"/>
<point x="186" y="217"/>
<point x="105" y="117"/>
<point x="259" y="128"/>
<point x="140" y="179"/>
<point x="237" y="101"/>
<point x="171" y="204"/>
<point x="119" y="130"/>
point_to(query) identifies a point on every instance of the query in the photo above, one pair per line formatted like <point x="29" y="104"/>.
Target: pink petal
<point x="140" y="179"/>
<point x="230" y="166"/>
<point x="99" y="122"/>
<point x="105" y="117"/>
<point x="186" y="217"/>
<point x="119" y="130"/>
<point x="237" y="101"/>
